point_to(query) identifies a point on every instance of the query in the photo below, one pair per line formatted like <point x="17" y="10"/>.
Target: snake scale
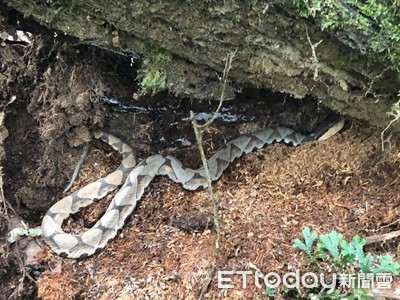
<point x="135" y="179"/>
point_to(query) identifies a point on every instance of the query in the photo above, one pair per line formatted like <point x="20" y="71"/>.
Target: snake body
<point x="135" y="179"/>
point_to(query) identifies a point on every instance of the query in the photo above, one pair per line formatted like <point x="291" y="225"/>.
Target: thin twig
<point x="382" y="237"/>
<point x="395" y="113"/>
<point x="18" y="289"/>
<point x="77" y="168"/>
<point x="2" y="198"/>
<point x="198" y="131"/>
<point x="208" y="282"/>
<point x="199" y="138"/>
<point x="315" y="60"/>
<point x="228" y="66"/>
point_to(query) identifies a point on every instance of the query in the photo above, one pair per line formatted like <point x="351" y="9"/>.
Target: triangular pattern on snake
<point x="135" y="180"/>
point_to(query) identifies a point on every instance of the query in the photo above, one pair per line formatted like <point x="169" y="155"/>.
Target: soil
<point x="167" y="249"/>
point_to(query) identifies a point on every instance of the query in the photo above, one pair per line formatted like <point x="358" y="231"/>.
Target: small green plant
<point x="333" y="253"/>
<point x="269" y="292"/>
<point x="153" y="81"/>
<point x="154" y="78"/>
<point x="309" y="239"/>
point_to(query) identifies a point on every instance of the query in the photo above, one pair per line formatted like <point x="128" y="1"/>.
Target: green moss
<point x="153" y="82"/>
<point x="162" y="55"/>
<point x="155" y="73"/>
<point x="371" y="25"/>
<point x="374" y="24"/>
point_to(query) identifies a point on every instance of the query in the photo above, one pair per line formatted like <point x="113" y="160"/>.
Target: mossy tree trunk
<point x="184" y="44"/>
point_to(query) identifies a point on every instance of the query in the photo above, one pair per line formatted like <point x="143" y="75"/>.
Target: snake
<point x="135" y="178"/>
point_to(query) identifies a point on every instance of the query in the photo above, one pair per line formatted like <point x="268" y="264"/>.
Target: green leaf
<point x="332" y="295"/>
<point x="300" y="245"/>
<point x="330" y="242"/>
<point x="386" y="265"/>
<point x="309" y="239"/>
<point x="365" y="263"/>
<point x="348" y="253"/>
<point x="359" y="244"/>
<point x="361" y="294"/>
<point x="352" y="250"/>
<point x="269" y="292"/>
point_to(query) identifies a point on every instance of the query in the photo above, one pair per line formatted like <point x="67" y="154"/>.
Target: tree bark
<point x="187" y="41"/>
